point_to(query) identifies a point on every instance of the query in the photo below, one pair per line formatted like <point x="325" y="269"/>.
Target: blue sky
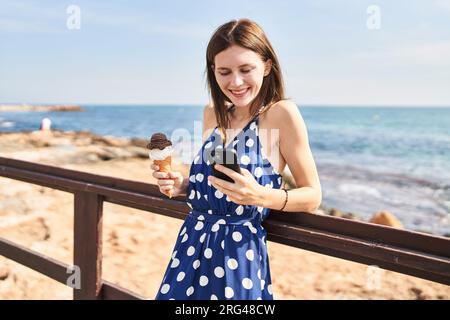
<point x="145" y="52"/>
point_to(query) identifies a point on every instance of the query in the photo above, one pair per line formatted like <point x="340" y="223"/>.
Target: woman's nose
<point x="236" y="80"/>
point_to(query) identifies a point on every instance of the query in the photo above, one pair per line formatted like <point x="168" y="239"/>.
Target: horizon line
<point x="306" y="105"/>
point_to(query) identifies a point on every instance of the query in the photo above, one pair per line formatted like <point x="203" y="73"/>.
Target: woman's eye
<point x="227" y="73"/>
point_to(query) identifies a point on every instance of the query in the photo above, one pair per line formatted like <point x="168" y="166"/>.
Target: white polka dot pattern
<point x="214" y="257"/>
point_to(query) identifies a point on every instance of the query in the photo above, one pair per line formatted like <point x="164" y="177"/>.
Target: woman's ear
<point x="267" y="67"/>
<point x="213" y="67"/>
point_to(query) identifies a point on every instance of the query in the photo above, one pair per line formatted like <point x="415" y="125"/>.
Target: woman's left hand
<point x="245" y="190"/>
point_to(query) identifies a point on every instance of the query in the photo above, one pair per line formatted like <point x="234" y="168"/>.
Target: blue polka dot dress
<point x="221" y="249"/>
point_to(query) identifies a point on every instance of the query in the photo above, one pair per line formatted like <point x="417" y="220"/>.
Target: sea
<point x="369" y="159"/>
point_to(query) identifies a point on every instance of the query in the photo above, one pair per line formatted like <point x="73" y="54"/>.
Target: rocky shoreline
<point x="70" y="147"/>
<point x="42" y="220"/>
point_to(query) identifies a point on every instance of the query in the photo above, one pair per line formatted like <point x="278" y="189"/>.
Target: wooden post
<point x="88" y="209"/>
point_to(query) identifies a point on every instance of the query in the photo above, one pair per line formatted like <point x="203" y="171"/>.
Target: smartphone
<point x="228" y="159"/>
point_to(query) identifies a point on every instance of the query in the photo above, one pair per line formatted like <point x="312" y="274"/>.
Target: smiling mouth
<point x="239" y="93"/>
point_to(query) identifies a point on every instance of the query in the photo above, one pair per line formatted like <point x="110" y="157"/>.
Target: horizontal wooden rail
<point x="58" y="271"/>
<point x="417" y="254"/>
<point x="33" y="260"/>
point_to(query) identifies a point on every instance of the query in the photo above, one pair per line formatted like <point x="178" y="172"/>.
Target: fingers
<point x="245" y="172"/>
<point x="156" y="174"/>
<point x="232" y="174"/>
<point x="165" y="175"/>
<point x="175" y="175"/>
<point x="223" y="184"/>
<point x="160" y="175"/>
<point x="165" y="189"/>
<point x="234" y="196"/>
<point x="165" y="182"/>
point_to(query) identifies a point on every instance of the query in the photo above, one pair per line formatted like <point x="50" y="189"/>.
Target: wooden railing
<point x="417" y="254"/>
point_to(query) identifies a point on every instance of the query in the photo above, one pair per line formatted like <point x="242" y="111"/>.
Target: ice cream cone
<point x="161" y="154"/>
<point x="170" y="194"/>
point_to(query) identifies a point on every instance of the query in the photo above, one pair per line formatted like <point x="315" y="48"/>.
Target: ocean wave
<point x="7" y="124"/>
<point x="381" y="174"/>
<point x="350" y="188"/>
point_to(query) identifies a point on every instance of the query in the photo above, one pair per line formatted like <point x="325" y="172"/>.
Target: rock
<point x="349" y="215"/>
<point x="69" y="147"/>
<point x="92" y="157"/>
<point x="105" y="153"/>
<point x="110" y="141"/>
<point x="335" y="213"/>
<point x="338" y="213"/>
<point x="386" y="218"/>
<point x="138" y="142"/>
<point x="83" y="141"/>
<point x="40" y="139"/>
<point x="138" y="152"/>
<point x="4" y="273"/>
<point x="116" y="153"/>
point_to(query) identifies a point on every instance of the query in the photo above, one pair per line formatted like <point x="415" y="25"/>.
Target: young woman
<point x="221" y="251"/>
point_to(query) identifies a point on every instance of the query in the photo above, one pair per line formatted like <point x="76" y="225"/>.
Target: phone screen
<point x="228" y="159"/>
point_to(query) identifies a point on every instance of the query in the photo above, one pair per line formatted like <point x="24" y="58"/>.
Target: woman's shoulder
<point x="282" y="111"/>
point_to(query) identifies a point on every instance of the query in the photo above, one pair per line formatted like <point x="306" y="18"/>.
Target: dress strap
<point x="255" y="118"/>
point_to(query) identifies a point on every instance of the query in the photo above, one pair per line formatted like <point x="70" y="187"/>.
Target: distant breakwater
<point x="39" y="108"/>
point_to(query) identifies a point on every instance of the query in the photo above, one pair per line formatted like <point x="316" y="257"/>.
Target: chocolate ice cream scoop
<point x="159" y="141"/>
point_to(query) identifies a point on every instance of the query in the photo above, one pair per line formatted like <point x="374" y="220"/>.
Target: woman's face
<point x="239" y="73"/>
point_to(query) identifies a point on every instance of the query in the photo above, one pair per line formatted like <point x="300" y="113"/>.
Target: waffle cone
<point x="165" y="166"/>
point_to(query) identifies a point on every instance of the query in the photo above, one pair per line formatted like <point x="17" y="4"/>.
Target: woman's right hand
<point x="168" y="181"/>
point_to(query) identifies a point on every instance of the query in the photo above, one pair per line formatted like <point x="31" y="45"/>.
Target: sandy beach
<point x="137" y="245"/>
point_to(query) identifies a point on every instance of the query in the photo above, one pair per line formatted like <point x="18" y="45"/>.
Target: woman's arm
<point x="295" y="149"/>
